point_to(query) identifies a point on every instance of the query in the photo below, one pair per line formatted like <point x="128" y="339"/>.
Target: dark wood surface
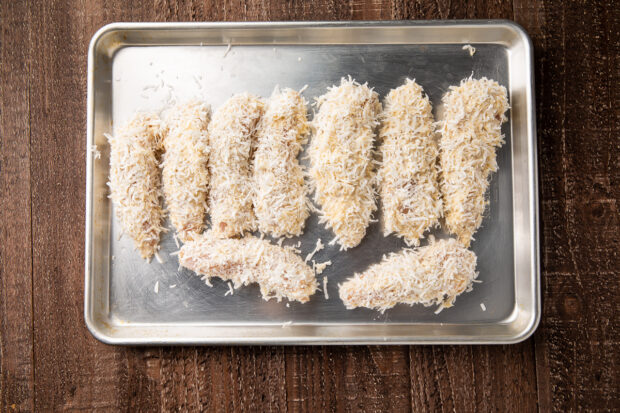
<point x="49" y="361"/>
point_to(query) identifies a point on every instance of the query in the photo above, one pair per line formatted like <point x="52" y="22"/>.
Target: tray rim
<point x="273" y="333"/>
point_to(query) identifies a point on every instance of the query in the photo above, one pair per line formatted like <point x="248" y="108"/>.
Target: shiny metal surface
<point x="147" y="66"/>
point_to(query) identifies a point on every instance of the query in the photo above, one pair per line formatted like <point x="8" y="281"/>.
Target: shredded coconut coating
<point x="408" y="177"/>
<point x="471" y="133"/>
<point x="184" y="169"/>
<point x="280" y="201"/>
<point x="135" y="181"/>
<point x="232" y="136"/>
<point x="279" y="272"/>
<point x="434" y="274"/>
<point x="342" y="171"/>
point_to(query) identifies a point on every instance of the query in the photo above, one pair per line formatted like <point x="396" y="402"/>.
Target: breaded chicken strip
<point x="184" y="169"/>
<point x="232" y="137"/>
<point x="470" y="135"/>
<point x="408" y="176"/>
<point x="279" y="272"/>
<point x="342" y="171"/>
<point x="280" y="201"/>
<point x="135" y="181"/>
<point x="434" y="274"/>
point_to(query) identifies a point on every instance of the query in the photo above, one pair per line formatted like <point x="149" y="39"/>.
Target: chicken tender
<point x="408" y="176"/>
<point x="342" y="172"/>
<point x="470" y="135"/>
<point x="135" y="181"/>
<point x="232" y="136"/>
<point x="280" y="201"/>
<point x="184" y="169"/>
<point x="434" y="274"/>
<point x="279" y="272"/>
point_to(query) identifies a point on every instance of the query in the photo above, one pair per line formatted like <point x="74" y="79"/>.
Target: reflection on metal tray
<point x="149" y="66"/>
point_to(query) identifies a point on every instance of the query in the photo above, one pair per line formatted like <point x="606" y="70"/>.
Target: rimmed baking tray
<point x="150" y="66"/>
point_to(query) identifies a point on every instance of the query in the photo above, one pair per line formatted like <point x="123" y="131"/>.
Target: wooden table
<point x="49" y="361"/>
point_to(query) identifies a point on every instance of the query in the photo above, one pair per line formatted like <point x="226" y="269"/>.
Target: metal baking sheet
<point x="150" y="66"/>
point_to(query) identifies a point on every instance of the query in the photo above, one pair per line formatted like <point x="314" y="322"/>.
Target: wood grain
<point x="49" y="361"/>
<point x="16" y="352"/>
<point x="72" y="372"/>
<point x="577" y="51"/>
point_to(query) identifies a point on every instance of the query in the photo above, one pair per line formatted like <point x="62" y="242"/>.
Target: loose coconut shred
<point x="471" y="133"/>
<point x="135" y="181"/>
<point x="430" y="275"/>
<point x="342" y="172"/>
<point x="280" y="201"/>
<point x="184" y="169"/>
<point x="408" y="176"/>
<point x="232" y="136"/>
<point x="279" y="272"/>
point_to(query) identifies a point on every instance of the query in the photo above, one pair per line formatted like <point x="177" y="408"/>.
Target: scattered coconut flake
<point x="484" y="307"/>
<point x="325" y="288"/>
<point x="303" y="89"/>
<point x="96" y="153"/>
<point x="288" y="305"/>
<point x="205" y="278"/>
<point x="172" y="286"/>
<point x="158" y="258"/>
<point x="470" y="48"/>
<point x="320" y="267"/>
<point x="156" y="289"/>
<point x="227" y="49"/>
<point x="150" y="87"/>
<point x="176" y="240"/>
<point x="319" y="246"/>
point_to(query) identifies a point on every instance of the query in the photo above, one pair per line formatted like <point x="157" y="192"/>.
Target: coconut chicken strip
<point x="280" y="200"/>
<point x="342" y="171"/>
<point x="470" y="135"/>
<point x="184" y="169"/>
<point x="408" y="176"/>
<point x="279" y="272"/>
<point x="434" y="274"/>
<point x="232" y="137"/>
<point x="135" y="181"/>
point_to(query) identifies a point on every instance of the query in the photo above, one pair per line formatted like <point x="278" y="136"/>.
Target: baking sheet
<point x="151" y="66"/>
